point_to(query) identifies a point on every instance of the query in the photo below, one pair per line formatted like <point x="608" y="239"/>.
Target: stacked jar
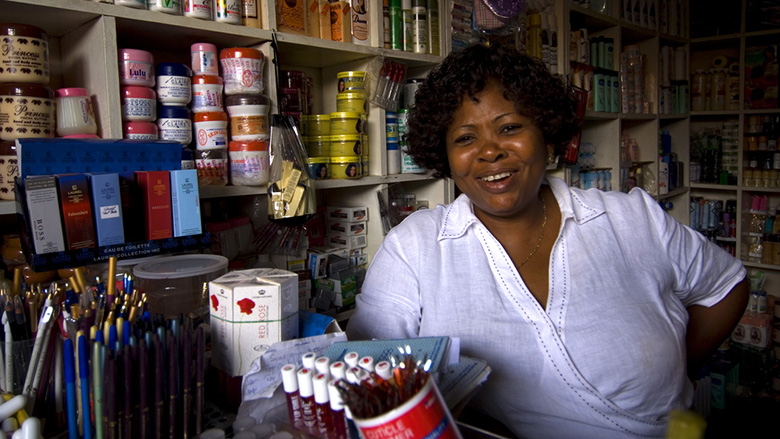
<point x="27" y="105"/>
<point x="209" y="118"/>
<point x="316" y="138"/>
<point x="348" y="139"/>
<point x="174" y="94"/>
<point x="248" y="110"/>
<point x="139" y="100"/>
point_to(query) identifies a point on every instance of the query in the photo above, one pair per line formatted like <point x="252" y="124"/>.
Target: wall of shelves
<point x="85" y="36"/>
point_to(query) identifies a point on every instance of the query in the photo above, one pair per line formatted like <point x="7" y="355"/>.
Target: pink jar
<point x="204" y="59"/>
<point x="140" y="131"/>
<point x="139" y="104"/>
<point x="136" y="67"/>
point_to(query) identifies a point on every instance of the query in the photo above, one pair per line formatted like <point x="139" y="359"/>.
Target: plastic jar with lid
<point x="174" y="84"/>
<point x="346" y="145"/>
<point x="718" y="90"/>
<point x="139" y="104"/>
<point x="38" y="120"/>
<point x="698" y="89"/>
<point x="212" y="165"/>
<point x="344" y="167"/>
<point x="318" y="167"/>
<point x="136" y="4"/>
<point x="187" y="158"/>
<point x="345" y="123"/>
<point x="204" y="60"/>
<point x="248" y="117"/>
<point x="74" y="112"/>
<point x="318" y="125"/>
<point x="351" y="82"/>
<point x="317" y="146"/>
<point x="140" y="131"/>
<point x="197" y="9"/>
<point x="25" y="54"/>
<point x="172" y="7"/>
<point x="227" y="12"/>
<point x="206" y="93"/>
<point x="9" y="168"/>
<point x="136" y="67"/>
<point x="210" y="130"/>
<point x="249" y="162"/>
<point x="351" y="103"/>
<point x="174" y="123"/>
<point x="242" y="70"/>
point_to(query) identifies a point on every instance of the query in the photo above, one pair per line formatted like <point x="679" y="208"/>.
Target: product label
<point x="198" y="8"/>
<point x="228" y="10"/>
<point x="359" y="20"/>
<point x="167" y="6"/>
<point x="179" y="130"/>
<point x="242" y="75"/>
<point x="207" y="98"/>
<point x="212" y="171"/>
<point x="249" y="167"/>
<point x="141" y="136"/>
<point x="204" y="62"/>
<point x="140" y="108"/>
<point x="174" y="89"/>
<point x="246" y="127"/>
<point x="22" y="116"/>
<point x="9" y="168"/>
<point x="24" y="59"/>
<point x="138" y="70"/>
<point x="249" y="8"/>
<point x="211" y="135"/>
<point x="291" y="15"/>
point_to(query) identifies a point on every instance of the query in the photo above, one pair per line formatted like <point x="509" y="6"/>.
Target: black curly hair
<point x="536" y="92"/>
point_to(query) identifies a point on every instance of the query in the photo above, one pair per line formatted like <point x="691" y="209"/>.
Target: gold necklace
<point x="541" y="235"/>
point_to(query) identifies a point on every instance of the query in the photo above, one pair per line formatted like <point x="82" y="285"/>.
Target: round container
<point x="136" y="67"/>
<point x="197" y="9"/>
<point x="242" y="70"/>
<point x="26" y="111"/>
<point x="345" y="123"/>
<point x="187" y="158"/>
<point x="317" y="146"/>
<point x="227" y="12"/>
<point x="318" y="125"/>
<point x="25" y="54"/>
<point x="174" y="284"/>
<point x="344" y="167"/>
<point x="210" y="130"/>
<point x="206" y="93"/>
<point x="212" y="165"/>
<point x="174" y="123"/>
<point x="139" y="104"/>
<point x="391" y="126"/>
<point x="410" y="88"/>
<point x="204" y="56"/>
<point x="248" y="117"/>
<point x="9" y="168"/>
<point x="140" y="131"/>
<point x="136" y="4"/>
<point x="351" y="103"/>
<point x="346" y="145"/>
<point x="172" y="7"/>
<point x="74" y="112"/>
<point x="351" y="81"/>
<point x="248" y="162"/>
<point x="318" y="167"/>
<point x="174" y="84"/>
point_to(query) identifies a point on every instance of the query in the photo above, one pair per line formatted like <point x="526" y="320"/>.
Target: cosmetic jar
<point x="249" y="162"/>
<point x="25" y="54"/>
<point x="206" y="93"/>
<point x="351" y="103"/>
<point x="197" y="9"/>
<point x="136" y="67"/>
<point x="242" y="70"/>
<point x="345" y="123"/>
<point x="317" y="146"/>
<point x="174" y="123"/>
<point x="344" y="167"/>
<point x="74" y="112"/>
<point x="139" y="104"/>
<point x="210" y="130"/>
<point x="345" y="145"/>
<point x="212" y="165"/>
<point x="26" y="111"/>
<point x="172" y="7"/>
<point x="227" y="12"/>
<point x="136" y="4"/>
<point x="174" y="84"/>
<point x="9" y="168"/>
<point x="248" y="117"/>
<point x="140" y="131"/>
<point x="351" y="82"/>
<point x="204" y="59"/>
<point x="316" y="124"/>
<point x="318" y="167"/>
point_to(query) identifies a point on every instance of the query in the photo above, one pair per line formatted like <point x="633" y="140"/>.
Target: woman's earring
<point x="550" y="159"/>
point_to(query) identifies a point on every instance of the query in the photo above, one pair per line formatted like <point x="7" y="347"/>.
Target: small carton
<point x="43" y="208"/>
<point x="347" y="241"/>
<point x="348" y="214"/>
<point x="346" y="228"/>
<point x="250" y="311"/>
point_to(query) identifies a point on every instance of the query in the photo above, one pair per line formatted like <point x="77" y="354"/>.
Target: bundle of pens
<point x="330" y="400"/>
<point x="102" y="366"/>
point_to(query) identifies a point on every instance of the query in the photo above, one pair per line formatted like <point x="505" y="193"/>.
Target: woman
<point x="586" y="304"/>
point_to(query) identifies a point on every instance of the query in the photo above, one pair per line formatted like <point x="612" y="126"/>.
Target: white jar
<point x="74" y="112"/>
<point x="210" y="130"/>
<point x="198" y="9"/>
<point x="137" y="4"/>
<point x="139" y="104"/>
<point x="227" y="11"/>
<point x="174" y="84"/>
<point x="172" y="7"/>
<point x="175" y="124"/>
<point x="206" y="93"/>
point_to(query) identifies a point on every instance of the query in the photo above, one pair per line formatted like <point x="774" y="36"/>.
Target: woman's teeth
<point x="496" y="177"/>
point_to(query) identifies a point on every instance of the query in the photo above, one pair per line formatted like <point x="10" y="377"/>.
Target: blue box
<point x="185" y="203"/>
<point x="107" y="209"/>
<point x="64" y="156"/>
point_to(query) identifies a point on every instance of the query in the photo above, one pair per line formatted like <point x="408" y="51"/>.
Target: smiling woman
<point x="585" y="335"/>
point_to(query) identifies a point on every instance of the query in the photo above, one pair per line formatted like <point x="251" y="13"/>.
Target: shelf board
<point x="762" y="111"/>
<point x="7" y="207"/>
<point x="674" y="193"/>
<point x="590" y="19"/>
<point x="715" y="42"/>
<point x="637" y="116"/>
<point x="371" y="180"/>
<point x="673" y="39"/>
<point x="710" y="186"/>
<point x="599" y="115"/>
<point x="230" y="191"/>
<point x="760" y="189"/>
<point x="760" y="265"/>
<point x="734" y="113"/>
<point x="633" y="33"/>
<point x="673" y="116"/>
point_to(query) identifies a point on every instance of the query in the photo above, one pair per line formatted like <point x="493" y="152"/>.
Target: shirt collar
<point x="459" y="215"/>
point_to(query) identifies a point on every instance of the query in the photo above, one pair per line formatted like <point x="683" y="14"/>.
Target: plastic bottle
<point x="434" y="44"/>
<point x="718" y="90"/>
<point x="406" y="16"/>
<point x="419" y="27"/>
<point x="396" y="25"/>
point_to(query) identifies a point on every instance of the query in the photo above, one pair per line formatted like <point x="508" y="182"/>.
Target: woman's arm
<point x="708" y="327"/>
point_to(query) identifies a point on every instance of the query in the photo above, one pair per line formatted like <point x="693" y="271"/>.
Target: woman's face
<point x="497" y="156"/>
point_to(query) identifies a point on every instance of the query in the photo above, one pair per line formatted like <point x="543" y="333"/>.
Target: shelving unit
<point x="84" y="37"/>
<point x="605" y="129"/>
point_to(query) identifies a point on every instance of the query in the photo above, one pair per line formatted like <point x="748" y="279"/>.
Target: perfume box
<point x="43" y="210"/>
<point x="185" y="203"/>
<point x="76" y="211"/>
<point x="107" y="209"/>
<point x="155" y="190"/>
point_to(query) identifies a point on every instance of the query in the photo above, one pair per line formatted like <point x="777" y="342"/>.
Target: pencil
<point x="173" y="373"/>
<point x="129" y="384"/>
<point x="143" y="387"/>
<point x="9" y="354"/>
<point x="200" y="347"/>
<point x="186" y="381"/>
<point x="70" y="389"/>
<point x="159" y="386"/>
<point x="97" y="387"/>
<point x="84" y="378"/>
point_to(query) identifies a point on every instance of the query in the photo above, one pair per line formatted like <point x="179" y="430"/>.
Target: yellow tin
<point x="316" y="124"/>
<point x="345" y="123"/>
<point x="346" y="145"/>
<point x="317" y="146"/>
<point x="352" y="102"/>
<point x="351" y="81"/>
<point x="344" y="167"/>
<point x="318" y="167"/>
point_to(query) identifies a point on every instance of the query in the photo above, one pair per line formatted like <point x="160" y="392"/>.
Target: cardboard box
<point x="761" y="77"/>
<point x="346" y="228"/>
<point x="185" y="203"/>
<point x="107" y="209"/>
<point x="155" y="189"/>
<point x="250" y="311"/>
<point x="77" y="217"/>
<point x="347" y="241"/>
<point x="349" y="214"/>
<point x="43" y="209"/>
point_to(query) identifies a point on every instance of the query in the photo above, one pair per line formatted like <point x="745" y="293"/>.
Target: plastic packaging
<point x="248" y="117"/>
<point x="242" y="70"/>
<point x="212" y="165"/>
<point x="206" y="93"/>
<point x="74" y="112"/>
<point x="248" y="162"/>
